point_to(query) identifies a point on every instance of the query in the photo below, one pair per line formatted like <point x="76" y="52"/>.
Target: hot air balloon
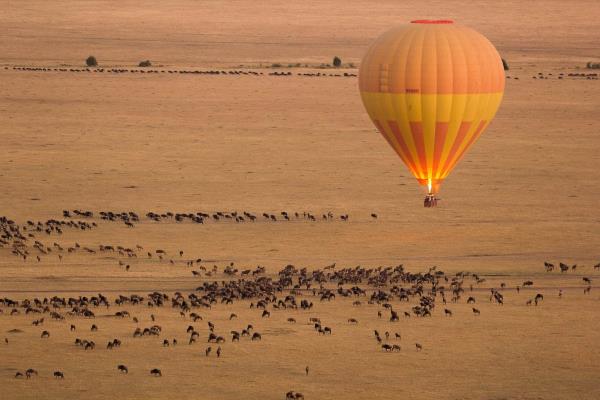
<point x="431" y="88"/>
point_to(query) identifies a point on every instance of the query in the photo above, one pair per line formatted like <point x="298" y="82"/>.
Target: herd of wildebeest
<point x="289" y="290"/>
<point x="251" y="72"/>
<point x="212" y="72"/>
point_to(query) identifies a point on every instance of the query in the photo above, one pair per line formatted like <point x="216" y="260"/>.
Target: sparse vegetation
<point x="145" y="63"/>
<point x="337" y="62"/>
<point x="275" y="65"/>
<point x="91" y="61"/>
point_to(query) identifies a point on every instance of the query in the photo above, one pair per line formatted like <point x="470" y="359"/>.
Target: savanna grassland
<point x="292" y="138"/>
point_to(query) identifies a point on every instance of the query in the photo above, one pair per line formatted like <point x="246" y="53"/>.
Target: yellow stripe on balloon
<point x="462" y="113"/>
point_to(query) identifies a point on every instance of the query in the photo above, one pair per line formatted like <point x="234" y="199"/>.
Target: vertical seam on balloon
<point x="421" y="143"/>
<point x="418" y="170"/>
<point x="459" y="134"/>
<point x="440" y="144"/>
<point x="462" y="148"/>
<point x="433" y="35"/>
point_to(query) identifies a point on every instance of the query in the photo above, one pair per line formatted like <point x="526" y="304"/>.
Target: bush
<point x="592" y="65"/>
<point x="276" y="65"/>
<point x="91" y="61"/>
<point x="337" y="61"/>
<point x="146" y="63"/>
<point x="505" y="64"/>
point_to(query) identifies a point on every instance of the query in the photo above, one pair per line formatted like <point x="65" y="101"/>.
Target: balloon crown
<point x="432" y="21"/>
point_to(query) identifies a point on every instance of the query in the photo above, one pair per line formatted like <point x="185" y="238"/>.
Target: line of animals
<point x="540" y="75"/>
<point x="549" y="267"/>
<point x="589" y="76"/>
<point x="16" y="237"/>
<point x="130" y="217"/>
<point x="179" y="71"/>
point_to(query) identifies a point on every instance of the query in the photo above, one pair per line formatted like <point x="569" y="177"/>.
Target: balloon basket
<point x="430" y="201"/>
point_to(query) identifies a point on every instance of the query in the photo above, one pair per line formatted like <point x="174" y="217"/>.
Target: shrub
<point x="337" y="61"/>
<point x="592" y="65"/>
<point x="91" y="61"/>
<point x="146" y="63"/>
<point x="505" y="64"/>
<point x="276" y="65"/>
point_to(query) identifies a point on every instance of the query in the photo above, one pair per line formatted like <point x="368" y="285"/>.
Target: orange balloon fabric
<point x="431" y="88"/>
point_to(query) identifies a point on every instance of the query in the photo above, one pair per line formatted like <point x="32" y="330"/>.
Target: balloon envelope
<point x="431" y="88"/>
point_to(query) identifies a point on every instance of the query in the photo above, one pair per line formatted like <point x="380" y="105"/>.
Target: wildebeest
<point x="30" y="372"/>
<point x="122" y="368"/>
<point x="155" y="372"/>
<point x="59" y="374"/>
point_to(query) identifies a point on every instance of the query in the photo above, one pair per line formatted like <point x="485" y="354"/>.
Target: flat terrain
<point x="526" y="193"/>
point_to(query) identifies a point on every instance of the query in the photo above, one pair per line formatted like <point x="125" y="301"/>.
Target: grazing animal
<point x="563" y="267"/>
<point x="122" y="368"/>
<point x="45" y="334"/>
<point x="155" y="372"/>
<point x="306" y="369"/>
<point x="538" y="297"/>
<point x="447" y="312"/>
<point x="59" y="375"/>
<point x="418" y="346"/>
<point x="256" y="336"/>
<point x="476" y="311"/>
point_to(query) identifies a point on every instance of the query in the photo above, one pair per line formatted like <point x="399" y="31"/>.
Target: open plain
<point x="214" y="127"/>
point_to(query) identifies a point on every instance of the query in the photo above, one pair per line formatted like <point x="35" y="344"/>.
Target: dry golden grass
<point x="525" y="193"/>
